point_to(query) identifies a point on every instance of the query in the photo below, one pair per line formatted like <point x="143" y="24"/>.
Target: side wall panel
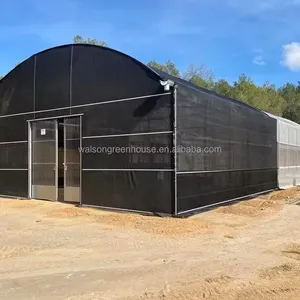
<point x="226" y="150"/>
<point x="128" y="152"/>
<point x="288" y="153"/>
<point x="16" y="97"/>
<point x="130" y="190"/>
<point x="14" y="155"/>
<point x="144" y="115"/>
<point x="205" y="189"/>
<point x="14" y="183"/>
<point x="14" y="128"/>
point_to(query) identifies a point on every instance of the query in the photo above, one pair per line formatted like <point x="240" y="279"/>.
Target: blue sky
<point x="259" y="37"/>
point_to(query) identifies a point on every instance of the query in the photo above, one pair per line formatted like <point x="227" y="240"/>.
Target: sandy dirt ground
<point x="249" y="250"/>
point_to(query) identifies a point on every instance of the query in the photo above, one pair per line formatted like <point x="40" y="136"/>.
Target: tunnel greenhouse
<point x="90" y="125"/>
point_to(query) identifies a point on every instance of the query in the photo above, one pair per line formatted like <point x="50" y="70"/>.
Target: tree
<point x="291" y="95"/>
<point x="169" y="67"/>
<point x="275" y="103"/>
<point x="264" y="97"/>
<point x="200" y="76"/>
<point x="78" y="39"/>
<point x="245" y="90"/>
<point x="224" y="88"/>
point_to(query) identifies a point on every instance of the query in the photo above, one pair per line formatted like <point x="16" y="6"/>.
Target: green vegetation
<point x="78" y="39"/>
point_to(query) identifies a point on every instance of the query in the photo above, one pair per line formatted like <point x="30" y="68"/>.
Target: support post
<point x="175" y="151"/>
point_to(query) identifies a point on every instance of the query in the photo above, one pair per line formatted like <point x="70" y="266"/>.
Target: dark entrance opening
<point x="61" y="161"/>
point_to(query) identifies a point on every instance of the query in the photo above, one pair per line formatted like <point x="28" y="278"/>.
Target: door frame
<point x="80" y="155"/>
<point x="29" y="122"/>
<point x="30" y="156"/>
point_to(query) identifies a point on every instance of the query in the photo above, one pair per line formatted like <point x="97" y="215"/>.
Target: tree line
<point x="283" y="101"/>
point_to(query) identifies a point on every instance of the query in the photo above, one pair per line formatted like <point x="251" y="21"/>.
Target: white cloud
<point x="259" y="60"/>
<point x="291" y="56"/>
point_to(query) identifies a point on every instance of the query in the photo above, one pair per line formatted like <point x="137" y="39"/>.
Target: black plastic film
<point x="141" y="191"/>
<point x="14" y="183"/>
<point x="14" y="156"/>
<point x="128" y="152"/>
<point x="102" y="74"/>
<point x="223" y="134"/>
<point x="14" y="128"/>
<point x="52" y="79"/>
<point x="16" y="89"/>
<point x="199" y="190"/>
<point x="52" y="114"/>
<point x="151" y="114"/>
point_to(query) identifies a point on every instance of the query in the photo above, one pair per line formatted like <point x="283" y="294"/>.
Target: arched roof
<point x="156" y="74"/>
<point x="287" y="121"/>
<point x="87" y="45"/>
<point x="73" y="74"/>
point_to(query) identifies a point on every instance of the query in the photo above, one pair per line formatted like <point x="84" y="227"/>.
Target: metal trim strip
<point x="130" y="170"/>
<point x="221" y="171"/>
<point x="14" y="142"/>
<point x="13" y="169"/>
<point x="127" y="134"/>
<point x="82" y="105"/>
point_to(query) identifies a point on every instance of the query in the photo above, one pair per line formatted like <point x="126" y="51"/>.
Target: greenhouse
<point x="90" y="125"/>
<point x="288" y="147"/>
